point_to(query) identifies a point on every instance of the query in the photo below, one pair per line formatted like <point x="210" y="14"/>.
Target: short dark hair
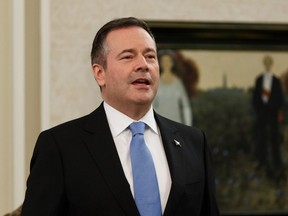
<point x="98" y="52"/>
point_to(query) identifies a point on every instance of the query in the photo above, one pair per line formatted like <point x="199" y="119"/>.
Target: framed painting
<point x="217" y="65"/>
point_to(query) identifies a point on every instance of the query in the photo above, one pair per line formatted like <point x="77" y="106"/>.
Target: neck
<point x="167" y="77"/>
<point x="134" y="111"/>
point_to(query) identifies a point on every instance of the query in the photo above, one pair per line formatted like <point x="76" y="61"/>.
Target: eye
<point x="151" y="56"/>
<point x="127" y="57"/>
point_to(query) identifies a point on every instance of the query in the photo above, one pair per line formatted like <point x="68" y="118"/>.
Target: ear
<point x="99" y="74"/>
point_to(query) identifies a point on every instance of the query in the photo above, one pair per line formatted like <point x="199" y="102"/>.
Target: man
<point x="83" y="167"/>
<point x="267" y="101"/>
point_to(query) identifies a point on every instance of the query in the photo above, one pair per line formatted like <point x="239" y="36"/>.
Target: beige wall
<point x="9" y="111"/>
<point x="5" y="107"/>
<point x="32" y="78"/>
<point x="70" y="90"/>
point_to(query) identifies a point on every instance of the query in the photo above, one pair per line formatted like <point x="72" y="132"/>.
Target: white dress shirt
<point x="267" y="85"/>
<point x="118" y="123"/>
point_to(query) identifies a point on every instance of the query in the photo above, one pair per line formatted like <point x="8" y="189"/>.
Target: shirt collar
<point x="268" y="73"/>
<point x="123" y="121"/>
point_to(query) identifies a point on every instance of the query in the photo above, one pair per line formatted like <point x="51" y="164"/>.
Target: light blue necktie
<point x="146" y="191"/>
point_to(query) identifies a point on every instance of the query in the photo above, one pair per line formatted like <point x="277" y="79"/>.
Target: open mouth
<point x="141" y="81"/>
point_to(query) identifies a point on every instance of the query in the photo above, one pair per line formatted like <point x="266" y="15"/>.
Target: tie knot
<point x="137" y="128"/>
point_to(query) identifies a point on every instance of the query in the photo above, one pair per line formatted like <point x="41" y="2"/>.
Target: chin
<point x="142" y="99"/>
<point x="144" y="102"/>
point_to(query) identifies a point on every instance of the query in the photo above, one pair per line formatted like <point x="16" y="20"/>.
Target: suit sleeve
<point x="209" y="204"/>
<point x="45" y="185"/>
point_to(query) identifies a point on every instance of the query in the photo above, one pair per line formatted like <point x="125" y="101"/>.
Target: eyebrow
<point x="133" y="51"/>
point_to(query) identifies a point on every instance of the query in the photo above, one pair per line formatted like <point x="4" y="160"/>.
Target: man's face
<point x="132" y="72"/>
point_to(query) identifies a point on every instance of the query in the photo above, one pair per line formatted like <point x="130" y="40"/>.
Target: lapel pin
<point x="177" y="143"/>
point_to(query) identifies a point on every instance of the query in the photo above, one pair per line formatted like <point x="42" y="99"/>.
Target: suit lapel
<point x="174" y="154"/>
<point x="101" y="145"/>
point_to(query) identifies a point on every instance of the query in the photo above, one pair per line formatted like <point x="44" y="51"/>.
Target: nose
<point x="141" y="64"/>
